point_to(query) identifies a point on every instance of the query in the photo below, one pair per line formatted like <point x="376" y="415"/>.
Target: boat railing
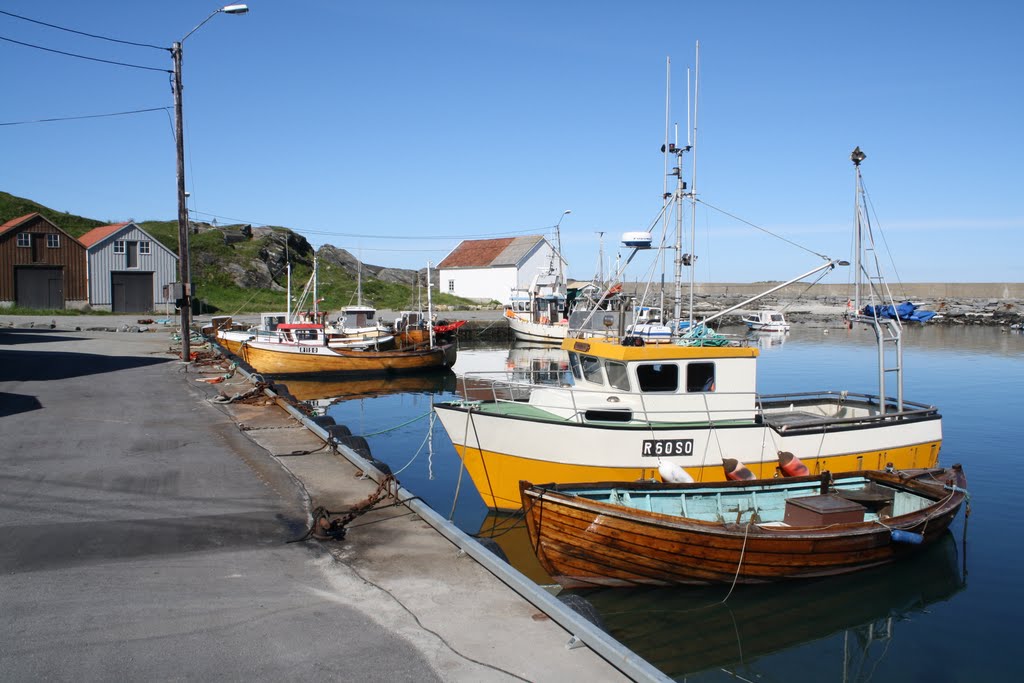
<point x="888" y="408"/>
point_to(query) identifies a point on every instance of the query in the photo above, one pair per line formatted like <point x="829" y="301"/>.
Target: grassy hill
<point x="251" y="276"/>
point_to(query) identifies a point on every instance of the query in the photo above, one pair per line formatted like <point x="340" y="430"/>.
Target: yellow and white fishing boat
<point x="635" y="412"/>
<point x="678" y="411"/>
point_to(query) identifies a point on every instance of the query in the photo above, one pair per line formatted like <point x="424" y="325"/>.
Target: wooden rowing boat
<point x="754" y="531"/>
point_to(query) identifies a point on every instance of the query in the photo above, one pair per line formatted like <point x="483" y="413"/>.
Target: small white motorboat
<point x="767" y="320"/>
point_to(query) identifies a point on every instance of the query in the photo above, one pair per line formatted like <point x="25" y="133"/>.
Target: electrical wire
<point x="82" y="33"/>
<point x="91" y="59"/>
<point x="85" y="116"/>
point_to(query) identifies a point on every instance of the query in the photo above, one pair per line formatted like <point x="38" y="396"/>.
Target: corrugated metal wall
<point x="102" y="261"/>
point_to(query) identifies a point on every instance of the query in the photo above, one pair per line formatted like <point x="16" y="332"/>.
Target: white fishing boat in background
<point x="537" y="313"/>
<point x="766" y="320"/>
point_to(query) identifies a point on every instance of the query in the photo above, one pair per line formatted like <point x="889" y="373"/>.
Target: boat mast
<point x="692" y="145"/>
<point x="430" y="309"/>
<point x="288" y="294"/>
<point x="886" y="329"/>
<point x="666" y="149"/>
<point x="857" y="157"/>
<point x="316" y="301"/>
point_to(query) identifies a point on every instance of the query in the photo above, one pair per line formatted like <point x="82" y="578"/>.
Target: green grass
<point x="46" y="312"/>
<point x="211" y="259"/>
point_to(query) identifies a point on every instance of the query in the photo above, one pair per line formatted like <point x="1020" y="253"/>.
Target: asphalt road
<point x="143" y="537"/>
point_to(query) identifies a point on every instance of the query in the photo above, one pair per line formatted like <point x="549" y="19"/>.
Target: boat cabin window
<point x="305" y="335"/>
<point x="700" y="377"/>
<point x="658" y="376"/>
<point x="617" y="376"/>
<point x="586" y="368"/>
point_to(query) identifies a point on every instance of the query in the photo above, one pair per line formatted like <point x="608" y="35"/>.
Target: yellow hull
<point x="497" y="475"/>
<point x="279" y="361"/>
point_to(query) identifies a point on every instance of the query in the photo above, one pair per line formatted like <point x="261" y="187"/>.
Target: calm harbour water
<point x="951" y="614"/>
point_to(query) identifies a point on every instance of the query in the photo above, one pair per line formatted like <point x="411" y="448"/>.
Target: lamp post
<point x="184" y="271"/>
<point x="558" y="242"/>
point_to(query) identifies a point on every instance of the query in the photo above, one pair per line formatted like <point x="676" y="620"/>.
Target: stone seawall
<point x="973" y="303"/>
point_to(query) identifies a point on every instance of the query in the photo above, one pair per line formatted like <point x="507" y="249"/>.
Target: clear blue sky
<point x="393" y="129"/>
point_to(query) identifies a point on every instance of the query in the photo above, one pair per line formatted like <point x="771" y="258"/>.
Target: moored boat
<point x="766" y="320"/>
<point x="754" y="531"/>
<point x="632" y="407"/>
<point x="692" y="403"/>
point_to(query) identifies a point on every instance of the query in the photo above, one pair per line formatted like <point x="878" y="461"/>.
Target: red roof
<point x="98" y="234"/>
<point x="505" y="251"/>
<point x="15" y="222"/>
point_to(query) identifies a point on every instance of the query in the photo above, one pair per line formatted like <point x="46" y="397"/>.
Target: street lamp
<point x="184" y="271"/>
<point x="558" y="242"/>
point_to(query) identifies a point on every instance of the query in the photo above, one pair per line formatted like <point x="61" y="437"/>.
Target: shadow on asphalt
<point x="35" y="336"/>
<point x="12" y="404"/>
<point x="37" y="366"/>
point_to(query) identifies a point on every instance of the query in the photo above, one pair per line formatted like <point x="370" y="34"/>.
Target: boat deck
<point x="794" y="417"/>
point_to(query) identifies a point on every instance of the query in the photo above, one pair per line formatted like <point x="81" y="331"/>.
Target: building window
<point x="451" y="286"/>
<point x="144" y="248"/>
<point x="53" y="240"/>
<point x="119" y="247"/>
<point x="24" y="239"/>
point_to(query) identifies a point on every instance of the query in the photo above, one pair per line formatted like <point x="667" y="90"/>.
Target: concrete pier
<point x="146" y="525"/>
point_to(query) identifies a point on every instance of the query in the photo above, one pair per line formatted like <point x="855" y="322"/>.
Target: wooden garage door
<point x="132" y="292"/>
<point x="39" y="287"/>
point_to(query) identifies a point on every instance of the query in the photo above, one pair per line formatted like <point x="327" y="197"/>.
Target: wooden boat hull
<point x="583" y="542"/>
<point x="283" y="359"/>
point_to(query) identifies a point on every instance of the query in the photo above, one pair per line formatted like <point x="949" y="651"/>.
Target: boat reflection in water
<point x="537" y="363"/>
<point x="508" y="532"/>
<point x="765" y="340"/>
<point x="320" y="395"/>
<point x="683" y="631"/>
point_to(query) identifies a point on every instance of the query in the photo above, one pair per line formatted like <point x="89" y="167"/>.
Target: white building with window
<point x="487" y="270"/>
<point x="128" y="270"/>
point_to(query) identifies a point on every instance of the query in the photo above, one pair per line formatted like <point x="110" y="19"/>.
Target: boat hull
<point x="527" y="330"/>
<point x="500" y="450"/>
<point x="284" y="359"/>
<point x="581" y="541"/>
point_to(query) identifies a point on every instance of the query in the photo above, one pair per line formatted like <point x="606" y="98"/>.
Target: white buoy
<point x="673" y="473"/>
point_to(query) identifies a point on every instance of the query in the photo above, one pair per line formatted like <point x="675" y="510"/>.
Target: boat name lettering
<point x="581" y="346"/>
<point x="307" y="349"/>
<point x="653" y="448"/>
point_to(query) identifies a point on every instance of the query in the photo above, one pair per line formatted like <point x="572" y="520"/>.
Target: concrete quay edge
<point x="393" y="568"/>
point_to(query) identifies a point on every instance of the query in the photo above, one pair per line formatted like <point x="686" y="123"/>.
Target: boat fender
<point x="673" y="474"/>
<point x="901" y="536"/>
<point x="583" y="607"/>
<point x="791" y="465"/>
<point x="736" y="471"/>
<point x="323" y="421"/>
<point x="336" y="432"/>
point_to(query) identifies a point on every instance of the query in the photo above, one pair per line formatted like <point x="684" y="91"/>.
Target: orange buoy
<point x="736" y="470"/>
<point x="791" y="465"/>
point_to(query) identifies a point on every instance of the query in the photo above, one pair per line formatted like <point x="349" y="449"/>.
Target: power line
<point x="91" y="59"/>
<point x="86" y="116"/>
<point x="508" y="233"/>
<point x="82" y="33"/>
